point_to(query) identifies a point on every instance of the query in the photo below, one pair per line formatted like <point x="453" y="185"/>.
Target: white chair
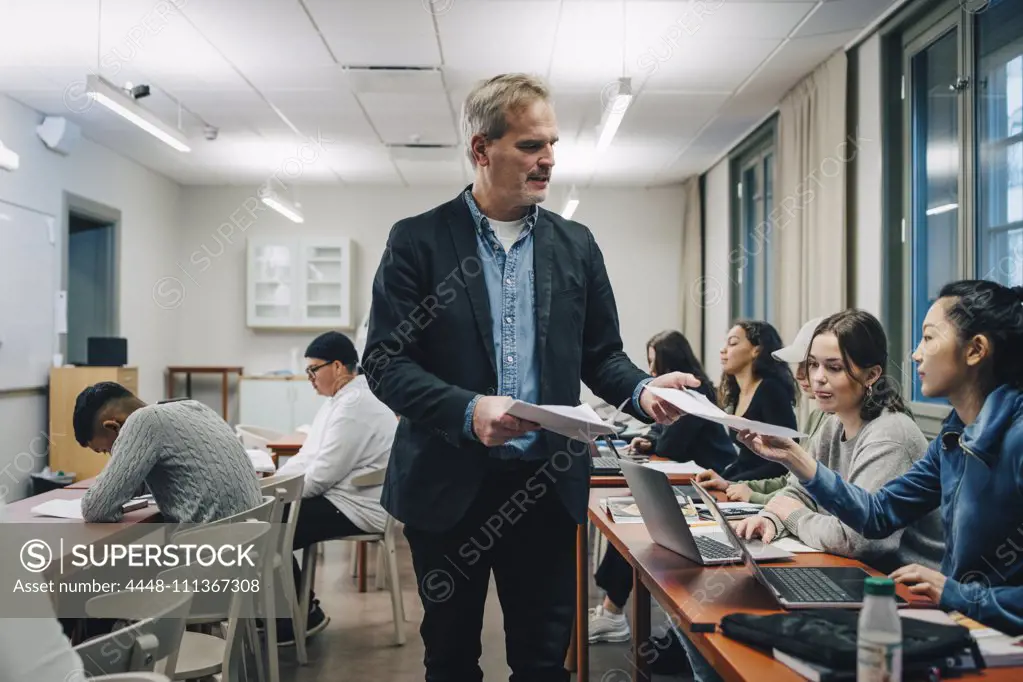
<point x="253" y="436"/>
<point x="288" y="491"/>
<point x="386" y="559"/>
<point x="202" y="655"/>
<point x="154" y="637"/>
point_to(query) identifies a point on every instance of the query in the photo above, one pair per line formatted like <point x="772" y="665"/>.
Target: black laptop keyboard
<point x="607" y="463"/>
<point x="712" y="549"/>
<point x="807" y="585"/>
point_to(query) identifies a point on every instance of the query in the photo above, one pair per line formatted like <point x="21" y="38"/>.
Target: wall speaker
<point x="58" y="134"/>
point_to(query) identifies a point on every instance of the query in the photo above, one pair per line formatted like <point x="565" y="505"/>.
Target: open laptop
<point x="602" y="465"/>
<point x="799" y="587"/>
<point x="668" y="527"/>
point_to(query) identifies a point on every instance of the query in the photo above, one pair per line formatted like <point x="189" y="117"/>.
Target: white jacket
<point x="351" y="435"/>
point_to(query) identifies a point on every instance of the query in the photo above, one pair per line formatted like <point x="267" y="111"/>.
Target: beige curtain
<point x="809" y="202"/>
<point x="692" y="265"/>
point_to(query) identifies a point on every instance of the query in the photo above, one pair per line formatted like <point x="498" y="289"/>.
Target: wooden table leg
<point x="361" y="556"/>
<point x="640" y="626"/>
<point x="582" y="600"/>
<point x="223" y="388"/>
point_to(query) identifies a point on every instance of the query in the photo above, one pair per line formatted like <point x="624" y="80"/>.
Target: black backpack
<point x="827" y="638"/>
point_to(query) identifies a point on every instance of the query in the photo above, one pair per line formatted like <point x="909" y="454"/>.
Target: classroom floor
<point x="358" y="644"/>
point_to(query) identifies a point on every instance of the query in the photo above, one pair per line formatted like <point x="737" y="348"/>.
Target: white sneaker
<point x="608" y="627"/>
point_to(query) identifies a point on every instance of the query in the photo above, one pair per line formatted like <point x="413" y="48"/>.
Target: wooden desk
<point x="21" y="512"/>
<point x="189" y="370"/>
<point x="287" y="446"/>
<point x="690" y="594"/>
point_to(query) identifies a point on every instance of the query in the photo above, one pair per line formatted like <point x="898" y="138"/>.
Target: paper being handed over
<point x="696" y="404"/>
<point x="579" y="422"/>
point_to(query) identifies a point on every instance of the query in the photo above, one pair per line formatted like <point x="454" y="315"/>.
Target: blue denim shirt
<point x="974" y="474"/>
<point x="511" y="292"/>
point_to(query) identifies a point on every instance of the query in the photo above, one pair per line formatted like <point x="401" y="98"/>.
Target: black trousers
<point x="614" y="576"/>
<point x="318" y="520"/>
<point x="518" y="528"/>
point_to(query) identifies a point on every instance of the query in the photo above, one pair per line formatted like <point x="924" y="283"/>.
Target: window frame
<point x="752" y="154"/>
<point x="910" y="30"/>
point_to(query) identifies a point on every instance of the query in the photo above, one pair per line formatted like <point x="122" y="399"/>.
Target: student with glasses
<point x="351" y="435"/>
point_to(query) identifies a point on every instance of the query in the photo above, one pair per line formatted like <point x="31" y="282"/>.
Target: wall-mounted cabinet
<point x="300" y="283"/>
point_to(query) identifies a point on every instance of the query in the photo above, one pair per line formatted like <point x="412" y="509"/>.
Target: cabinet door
<point x="273" y="297"/>
<point x="326" y="283"/>
<point x="266" y="403"/>
<point x="305" y="403"/>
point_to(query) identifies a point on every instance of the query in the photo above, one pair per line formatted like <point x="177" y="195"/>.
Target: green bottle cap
<point x="880" y="587"/>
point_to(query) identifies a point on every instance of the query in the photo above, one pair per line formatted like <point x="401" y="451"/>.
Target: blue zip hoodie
<point x="975" y="474"/>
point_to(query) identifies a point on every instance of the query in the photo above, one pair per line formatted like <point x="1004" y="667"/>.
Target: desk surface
<point x="21" y="512"/>
<point x="203" y="369"/>
<point x="690" y="593"/>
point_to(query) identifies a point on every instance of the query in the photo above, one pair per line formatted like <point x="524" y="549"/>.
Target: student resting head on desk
<point x="190" y="458"/>
<point x="969" y="353"/>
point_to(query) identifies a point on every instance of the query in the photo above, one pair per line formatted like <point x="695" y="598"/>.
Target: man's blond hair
<point x="486" y="108"/>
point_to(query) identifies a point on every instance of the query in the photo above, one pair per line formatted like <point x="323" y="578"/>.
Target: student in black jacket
<point x="688" y="439"/>
<point x="757" y="386"/>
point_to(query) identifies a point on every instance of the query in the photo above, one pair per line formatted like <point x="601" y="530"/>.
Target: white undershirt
<point x="507" y="232"/>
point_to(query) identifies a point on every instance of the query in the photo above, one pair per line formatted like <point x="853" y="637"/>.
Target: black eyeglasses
<point x="311" y="371"/>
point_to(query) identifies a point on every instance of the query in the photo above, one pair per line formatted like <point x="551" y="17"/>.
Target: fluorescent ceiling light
<point x="570" y="205"/>
<point x="282" y="206"/>
<point x="944" y="208"/>
<point x="614" y="111"/>
<point x="116" y="100"/>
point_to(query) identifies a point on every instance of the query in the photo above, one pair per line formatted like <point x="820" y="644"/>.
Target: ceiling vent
<point x="405" y="80"/>
<point x="425" y="153"/>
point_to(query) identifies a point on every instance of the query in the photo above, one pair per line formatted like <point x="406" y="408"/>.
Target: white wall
<point x="148" y="204"/>
<point x="717" y="269"/>
<point x="639" y="232"/>
<point x="866" y="291"/>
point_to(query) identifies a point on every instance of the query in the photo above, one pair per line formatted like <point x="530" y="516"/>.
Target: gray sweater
<point x="195" y="466"/>
<point x="884" y="449"/>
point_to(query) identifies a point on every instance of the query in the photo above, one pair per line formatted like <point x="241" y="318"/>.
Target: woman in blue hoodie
<point x="972" y="354"/>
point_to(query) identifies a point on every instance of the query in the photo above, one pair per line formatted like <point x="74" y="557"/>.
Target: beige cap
<point x="796" y="351"/>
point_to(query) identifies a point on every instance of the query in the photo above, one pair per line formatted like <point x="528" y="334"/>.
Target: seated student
<point x="351" y="435"/>
<point x="759" y="492"/>
<point x="973" y="472"/>
<point x="190" y="458"/>
<point x="868" y="440"/>
<point x="688" y="439"/>
<point x="756" y="386"/>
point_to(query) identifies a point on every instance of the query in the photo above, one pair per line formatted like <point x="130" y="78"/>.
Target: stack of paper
<point x="261" y="461"/>
<point x="61" y="509"/>
<point x="579" y="422"/>
<point x="696" y="404"/>
<point x="676" y="467"/>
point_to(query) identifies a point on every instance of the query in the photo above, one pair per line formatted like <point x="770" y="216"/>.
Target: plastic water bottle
<point x="879" y="634"/>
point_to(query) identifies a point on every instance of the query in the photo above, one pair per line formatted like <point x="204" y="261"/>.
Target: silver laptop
<point x="668" y="527"/>
<point x="799" y="587"/>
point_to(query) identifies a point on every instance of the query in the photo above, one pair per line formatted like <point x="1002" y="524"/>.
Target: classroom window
<point x="753" y="253"/>
<point x="956" y="75"/>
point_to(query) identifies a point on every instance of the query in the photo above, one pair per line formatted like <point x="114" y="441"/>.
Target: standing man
<point x="482" y="300"/>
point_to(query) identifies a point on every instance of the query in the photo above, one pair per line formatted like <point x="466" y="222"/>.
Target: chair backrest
<point x="253" y="436"/>
<point x="263" y="511"/>
<point x="131" y="649"/>
<point x="371" y="479"/>
<point x="165" y="611"/>
<point x="225" y="603"/>
<point x="288" y="491"/>
<point x="132" y="677"/>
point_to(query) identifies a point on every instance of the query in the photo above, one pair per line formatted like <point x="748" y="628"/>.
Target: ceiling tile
<point x="836" y="16"/>
<point x="395" y="33"/>
<point x="400" y="119"/>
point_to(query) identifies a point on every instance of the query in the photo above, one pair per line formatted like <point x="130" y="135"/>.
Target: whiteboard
<point x="28" y="292"/>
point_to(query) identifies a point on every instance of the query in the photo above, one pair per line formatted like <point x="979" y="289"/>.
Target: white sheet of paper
<point x="261" y="461"/>
<point x="581" y="422"/>
<point x="676" y="467"/>
<point x="697" y="405"/>
<point x="795" y="546"/>
<point x="61" y="509"/>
